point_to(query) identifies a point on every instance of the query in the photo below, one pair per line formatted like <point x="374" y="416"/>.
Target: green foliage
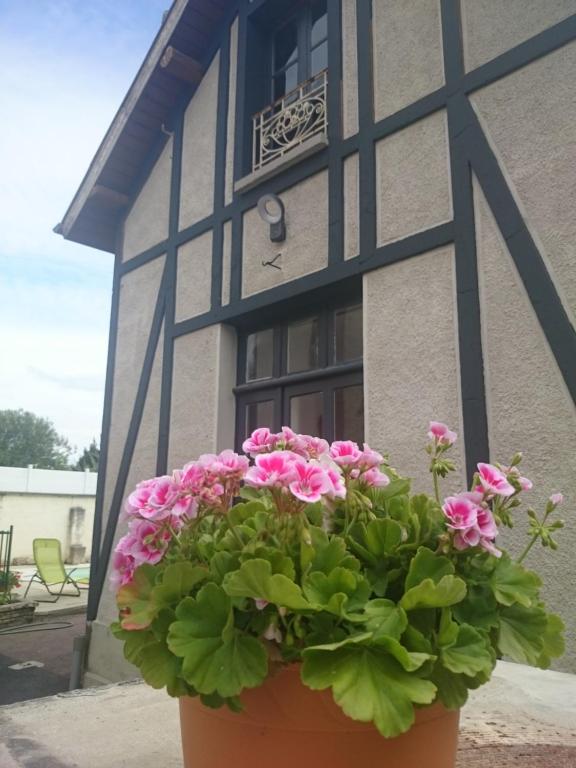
<point x="90" y="458"/>
<point x="29" y="439"/>
<point x="381" y="609"/>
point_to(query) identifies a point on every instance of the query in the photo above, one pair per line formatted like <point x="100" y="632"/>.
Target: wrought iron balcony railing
<point x="290" y="121"/>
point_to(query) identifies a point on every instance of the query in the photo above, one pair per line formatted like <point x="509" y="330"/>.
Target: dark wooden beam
<point x="181" y="65"/>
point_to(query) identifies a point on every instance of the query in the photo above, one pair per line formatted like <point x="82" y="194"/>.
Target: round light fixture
<point x="271" y="209"/>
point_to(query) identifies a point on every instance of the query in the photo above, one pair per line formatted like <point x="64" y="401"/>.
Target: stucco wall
<point x="199" y="148"/>
<point x="408" y="61"/>
<point x="194" y="277"/>
<point x="349" y="69"/>
<point x="411" y="364"/>
<point x="351" y="207"/>
<point x="202" y="416"/>
<point x="413" y="179"/>
<point x="138" y="294"/>
<point x="491" y="27"/>
<point x="44" y="516"/>
<point x="529" y="118"/>
<point x="529" y="409"/>
<point x="147" y="221"/>
<point x="305" y="249"/>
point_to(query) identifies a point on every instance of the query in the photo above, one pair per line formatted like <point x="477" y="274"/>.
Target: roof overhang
<point x="172" y="66"/>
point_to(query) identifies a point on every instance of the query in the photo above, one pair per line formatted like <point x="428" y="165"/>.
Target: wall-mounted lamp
<point x="271" y="210"/>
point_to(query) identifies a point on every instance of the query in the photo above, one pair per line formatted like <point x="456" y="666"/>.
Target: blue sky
<point x="65" y="66"/>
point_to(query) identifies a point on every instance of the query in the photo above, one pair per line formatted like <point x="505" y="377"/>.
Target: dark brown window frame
<point x="326" y="378"/>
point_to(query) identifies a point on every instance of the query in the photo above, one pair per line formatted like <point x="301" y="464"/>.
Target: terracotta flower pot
<point x="286" y="725"/>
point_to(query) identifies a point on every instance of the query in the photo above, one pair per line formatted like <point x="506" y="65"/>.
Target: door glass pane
<point x="285" y="81"/>
<point x="349" y="413"/>
<point x="319" y="59"/>
<point x="259" y="415"/>
<point x="348" y="333"/>
<point x="285" y="46"/>
<point x="303" y="345"/>
<point x="306" y="414"/>
<point x="260" y="355"/>
<point x="319" y="23"/>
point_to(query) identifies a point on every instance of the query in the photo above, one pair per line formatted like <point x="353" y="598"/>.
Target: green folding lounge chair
<point x="51" y="571"/>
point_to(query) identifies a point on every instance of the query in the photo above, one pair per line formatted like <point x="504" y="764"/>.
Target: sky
<point x="65" y="66"/>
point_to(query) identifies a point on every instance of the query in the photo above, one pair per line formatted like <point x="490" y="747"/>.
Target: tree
<point x="29" y="439"/>
<point x="90" y="458"/>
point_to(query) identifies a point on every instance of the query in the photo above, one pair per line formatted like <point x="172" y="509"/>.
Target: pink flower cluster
<point x="158" y="508"/>
<point x="468" y="514"/>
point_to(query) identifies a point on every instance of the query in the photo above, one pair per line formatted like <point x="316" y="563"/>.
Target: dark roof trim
<point x="101" y="201"/>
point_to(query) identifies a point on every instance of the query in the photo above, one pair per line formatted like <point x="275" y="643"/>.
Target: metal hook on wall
<point x="272" y="262"/>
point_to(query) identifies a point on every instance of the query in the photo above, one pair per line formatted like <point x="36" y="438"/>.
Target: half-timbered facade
<point x="351" y="216"/>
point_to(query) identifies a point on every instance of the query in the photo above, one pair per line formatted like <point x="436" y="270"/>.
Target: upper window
<point x="306" y="374"/>
<point x="294" y="58"/>
<point x="299" y="49"/>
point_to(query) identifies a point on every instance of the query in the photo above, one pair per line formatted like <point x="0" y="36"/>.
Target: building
<point x="48" y="504"/>
<point x="415" y="259"/>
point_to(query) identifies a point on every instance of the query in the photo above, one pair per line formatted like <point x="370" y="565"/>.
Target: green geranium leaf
<point x="178" y="580"/>
<point x="368" y="684"/>
<point x="255" y="579"/>
<point x="217" y="657"/>
<point x="330" y="552"/>
<point x="409" y="660"/>
<point x="469" y="653"/>
<point x="135" y="599"/>
<point x="383" y="537"/>
<point x="452" y="688"/>
<point x="134" y="644"/>
<point x="242" y="512"/>
<point x="428" y="594"/>
<point x="553" y="640"/>
<point x="280" y="562"/>
<point x="160" y="669"/>
<point x="512" y="583"/>
<point x="478" y="608"/>
<point x="385" y="618"/>
<point x="340" y="589"/>
<point x="521" y="633"/>
<point x="427" y="565"/>
<point x="222" y="563"/>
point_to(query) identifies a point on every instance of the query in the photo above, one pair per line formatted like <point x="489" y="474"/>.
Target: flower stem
<point x="533" y="540"/>
<point x="436" y="486"/>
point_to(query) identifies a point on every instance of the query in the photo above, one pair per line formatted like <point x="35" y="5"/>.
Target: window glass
<point x="306" y="413"/>
<point x="319" y="59"/>
<point x="259" y="415"/>
<point x="349" y="413"/>
<point x="348" y="334"/>
<point x="260" y="355"/>
<point x="285" y="46"/>
<point x="285" y="81"/>
<point x="319" y="23"/>
<point x="302" y="345"/>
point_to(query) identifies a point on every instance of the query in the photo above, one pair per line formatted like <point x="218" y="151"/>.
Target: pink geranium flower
<point x="123" y="567"/>
<point x="260" y="441"/>
<point x="374" y="478"/>
<point x="289" y="440"/>
<point x="310" y="483"/>
<point x="315" y="446"/>
<point x="439" y="432"/>
<point x="145" y="542"/>
<point x="370" y="458"/>
<point x="494" y="480"/>
<point x="486" y="524"/>
<point x="556" y="499"/>
<point x="138" y="499"/>
<point x="163" y="496"/>
<point x="272" y="470"/>
<point x="345" y="453"/>
<point x="461" y="511"/>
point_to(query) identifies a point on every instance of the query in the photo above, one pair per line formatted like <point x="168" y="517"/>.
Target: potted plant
<point x="305" y="606"/>
<point x="12" y="609"/>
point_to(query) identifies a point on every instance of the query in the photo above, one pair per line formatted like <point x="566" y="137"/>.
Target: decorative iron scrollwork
<point x="290" y="121"/>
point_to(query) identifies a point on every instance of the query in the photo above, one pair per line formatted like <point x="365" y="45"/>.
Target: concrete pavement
<point x="523" y="718"/>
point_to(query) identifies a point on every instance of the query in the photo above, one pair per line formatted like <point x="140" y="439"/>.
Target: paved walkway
<point x="523" y="718"/>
